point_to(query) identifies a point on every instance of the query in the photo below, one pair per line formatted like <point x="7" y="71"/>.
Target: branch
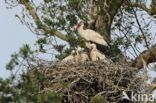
<point x="108" y="15"/>
<point x="93" y="13"/>
<point x="151" y="11"/>
<point x="148" y="55"/>
<point x="148" y="89"/>
<point x="141" y="6"/>
<point x="145" y="73"/>
<point x="143" y="34"/>
<point x="153" y="87"/>
<point x="38" y="22"/>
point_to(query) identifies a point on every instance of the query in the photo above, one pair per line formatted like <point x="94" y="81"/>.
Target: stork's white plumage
<point x="81" y="56"/>
<point x="90" y="35"/>
<point x="96" y="55"/>
<point x="70" y="57"/>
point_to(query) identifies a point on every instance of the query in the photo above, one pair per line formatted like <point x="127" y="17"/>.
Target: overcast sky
<point x="12" y="36"/>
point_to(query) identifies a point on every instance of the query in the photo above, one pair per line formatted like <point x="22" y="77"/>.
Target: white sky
<point x="12" y="36"/>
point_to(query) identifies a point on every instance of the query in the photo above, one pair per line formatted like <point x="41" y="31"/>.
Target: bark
<point x="149" y="87"/>
<point x="103" y="27"/>
<point x="148" y="55"/>
<point x="103" y="15"/>
<point x="104" y="20"/>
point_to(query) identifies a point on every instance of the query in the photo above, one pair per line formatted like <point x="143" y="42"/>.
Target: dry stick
<point x="98" y="69"/>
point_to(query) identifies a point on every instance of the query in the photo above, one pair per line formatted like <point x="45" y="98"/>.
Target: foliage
<point x="121" y="22"/>
<point x="26" y="91"/>
<point x="97" y="99"/>
<point x="24" y="54"/>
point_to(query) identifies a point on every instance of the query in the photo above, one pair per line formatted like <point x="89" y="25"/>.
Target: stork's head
<point x="73" y="52"/>
<point x="79" y="49"/>
<point x="93" y="46"/>
<point x="79" y="23"/>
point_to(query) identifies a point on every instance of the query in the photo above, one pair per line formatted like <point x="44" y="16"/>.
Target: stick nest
<point x="89" y="82"/>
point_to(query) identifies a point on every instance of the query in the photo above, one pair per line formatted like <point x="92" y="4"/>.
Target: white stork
<point x="95" y="55"/>
<point x="70" y="57"/>
<point x="81" y="56"/>
<point x="91" y="37"/>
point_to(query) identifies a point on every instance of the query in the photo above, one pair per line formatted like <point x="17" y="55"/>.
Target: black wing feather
<point x="102" y="48"/>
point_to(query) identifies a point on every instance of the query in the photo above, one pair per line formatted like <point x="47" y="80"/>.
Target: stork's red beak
<point x="77" y="26"/>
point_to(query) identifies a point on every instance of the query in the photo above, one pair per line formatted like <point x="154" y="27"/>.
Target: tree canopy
<point x="128" y="26"/>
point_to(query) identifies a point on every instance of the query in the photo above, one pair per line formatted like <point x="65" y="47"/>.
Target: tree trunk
<point x="102" y="26"/>
<point x="102" y="13"/>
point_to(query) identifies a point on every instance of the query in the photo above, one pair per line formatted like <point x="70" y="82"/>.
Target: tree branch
<point x="114" y="6"/>
<point x="148" y="89"/>
<point x="143" y="34"/>
<point x="148" y="55"/>
<point x="145" y="73"/>
<point x="151" y="11"/>
<point x="141" y="6"/>
<point x="38" y="22"/>
<point x="153" y="87"/>
<point x="93" y="13"/>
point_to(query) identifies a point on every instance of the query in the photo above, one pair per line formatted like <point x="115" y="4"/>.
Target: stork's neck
<point x="80" y="29"/>
<point x="73" y="55"/>
<point x="94" y="48"/>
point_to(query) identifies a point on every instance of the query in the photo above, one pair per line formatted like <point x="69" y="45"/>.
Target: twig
<point x="143" y="34"/>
